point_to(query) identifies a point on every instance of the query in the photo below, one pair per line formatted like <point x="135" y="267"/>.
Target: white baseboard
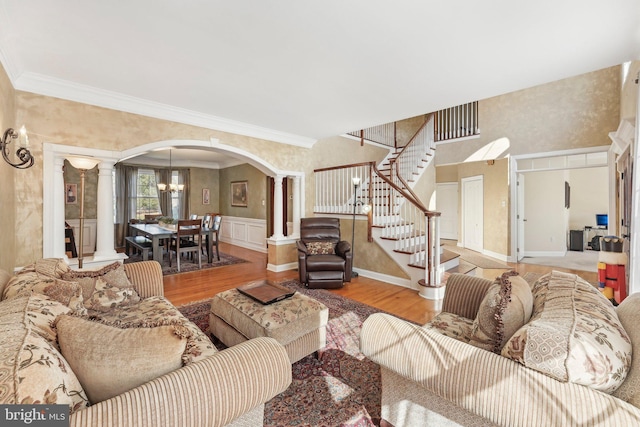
<point x="405" y="283"/>
<point x="496" y="255"/>
<point x="282" y="267"/>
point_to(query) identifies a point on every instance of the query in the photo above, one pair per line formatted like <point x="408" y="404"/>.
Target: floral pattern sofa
<point x="508" y="353"/>
<point x="108" y="344"/>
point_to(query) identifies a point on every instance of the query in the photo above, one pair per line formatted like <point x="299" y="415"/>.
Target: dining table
<point x="156" y="233"/>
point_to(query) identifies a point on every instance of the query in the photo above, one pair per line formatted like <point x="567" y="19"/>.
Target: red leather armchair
<point x="324" y="261"/>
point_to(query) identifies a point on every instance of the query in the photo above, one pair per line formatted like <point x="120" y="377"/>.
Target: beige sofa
<point x="431" y="375"/>
<point x="206" y="388"/>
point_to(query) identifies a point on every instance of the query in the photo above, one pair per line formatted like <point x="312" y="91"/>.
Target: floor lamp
<point x="83" y="164"/>
<point x="356" y="184"/>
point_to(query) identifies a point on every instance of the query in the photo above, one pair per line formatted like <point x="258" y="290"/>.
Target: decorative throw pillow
<point x="574" y="335"/>
<point x="42" y="311"/>
<point x="106" y="296"/>
<point x="452" y="326"/>
<point x="32" y="371"/>
<point x="320" y="248"/>
<point x="50" y="267"/>
<point x="158" y="311"/>
<point x="505" y="308"/>
<point x="112" y="274"/>
<point x="68" y="293"/>
<point x="109" y="361"/>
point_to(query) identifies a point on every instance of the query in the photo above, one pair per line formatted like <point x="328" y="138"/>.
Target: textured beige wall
<point x="65" y="122"/>
<point x="571" y="113"/>
<point x="406" y="129"/>
<point x="8" y="176"/>
<point x="566" y="114"/>
<point x="368" y="255"/>
<point x="447" y="173"/>
<point x="629" y="97"/>
<point x="256" y="192"/>
<point x="496" y="199"/>
<point x="204" y="178"/>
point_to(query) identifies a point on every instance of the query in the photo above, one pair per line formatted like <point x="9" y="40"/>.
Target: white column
<point x="277" y="208"/>
<point x="296" y="206"/>
<point x="59" y="247"/>
<point x="105" y="242"/>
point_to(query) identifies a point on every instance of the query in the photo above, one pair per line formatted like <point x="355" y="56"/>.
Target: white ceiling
<point x="296" y="71"/>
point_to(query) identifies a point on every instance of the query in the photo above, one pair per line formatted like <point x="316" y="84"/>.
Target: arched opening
<point x="53" y="183"/>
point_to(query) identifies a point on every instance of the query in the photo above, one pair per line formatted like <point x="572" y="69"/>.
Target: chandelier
<point x="172" y="188"/>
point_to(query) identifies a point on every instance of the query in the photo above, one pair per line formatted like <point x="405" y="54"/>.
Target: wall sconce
<point x="83" y="164"/>
<point x="24" y="157"/>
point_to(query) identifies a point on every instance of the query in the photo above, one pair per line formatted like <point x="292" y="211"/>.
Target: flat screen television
<point x="602" y="220"/>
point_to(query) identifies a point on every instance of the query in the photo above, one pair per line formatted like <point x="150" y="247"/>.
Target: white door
<point x="447" y="205"/>
<point x="473" y="213"/>
<point x="521" y="220"/>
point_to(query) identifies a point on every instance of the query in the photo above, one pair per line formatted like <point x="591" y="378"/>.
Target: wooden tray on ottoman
<point x="265" y="292"/>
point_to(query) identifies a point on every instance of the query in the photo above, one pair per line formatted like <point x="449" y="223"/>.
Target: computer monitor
<point x="602" y="220"/>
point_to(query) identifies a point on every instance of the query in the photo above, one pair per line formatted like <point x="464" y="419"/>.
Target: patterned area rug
<point x="340" y="388"/>
<point x="187" y="265"/>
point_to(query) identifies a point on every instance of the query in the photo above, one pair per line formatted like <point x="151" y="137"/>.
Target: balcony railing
<point x="457" y="122"/>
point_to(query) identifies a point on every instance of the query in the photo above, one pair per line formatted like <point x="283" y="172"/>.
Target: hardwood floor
<point x="406" y="303"/>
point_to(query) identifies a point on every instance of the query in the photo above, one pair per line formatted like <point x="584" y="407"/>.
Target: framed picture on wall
<point x="239" y="193"/>
<point x="205" y="196"/>
<point x="71" y="194"/>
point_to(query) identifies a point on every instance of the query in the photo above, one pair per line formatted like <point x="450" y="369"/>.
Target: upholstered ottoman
<point x="298" y="323"/>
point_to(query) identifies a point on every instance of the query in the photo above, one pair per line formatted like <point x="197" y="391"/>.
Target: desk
<point x="156" y="233"/>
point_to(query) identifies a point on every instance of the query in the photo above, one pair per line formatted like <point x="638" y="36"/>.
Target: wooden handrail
<point x="352" y="165"/>
<point x="429" y="116"/>
<point x="409" y="196"/>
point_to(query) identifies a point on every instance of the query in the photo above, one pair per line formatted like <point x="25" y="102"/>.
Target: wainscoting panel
<point x="90" y="231"/>
<point x="246" y="232"/>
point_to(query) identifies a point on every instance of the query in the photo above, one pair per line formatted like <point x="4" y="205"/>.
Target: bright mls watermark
<point x="34" y="415"/>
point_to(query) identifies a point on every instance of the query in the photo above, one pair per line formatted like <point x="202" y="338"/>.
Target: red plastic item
<point x="613" y="276"/>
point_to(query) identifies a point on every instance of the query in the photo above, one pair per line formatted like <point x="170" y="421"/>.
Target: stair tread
<point x="448" y="256"/>
<point x="462" y="268"/>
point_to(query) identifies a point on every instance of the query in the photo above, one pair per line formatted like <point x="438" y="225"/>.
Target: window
<point x="147" y="202"/>
<point x="176" y="195"/>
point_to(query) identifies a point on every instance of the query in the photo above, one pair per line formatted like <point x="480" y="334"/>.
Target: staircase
<point x="399" y="222"/>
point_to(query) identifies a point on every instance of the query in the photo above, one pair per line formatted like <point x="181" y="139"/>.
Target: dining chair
<point x="206" y="221"/>
<point x="216" y="223"/>
<point x="187" y="239"/>
<point x="151" y="218"/>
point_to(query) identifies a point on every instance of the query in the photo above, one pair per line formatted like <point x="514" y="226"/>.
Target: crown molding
<point x="57" y="88"/>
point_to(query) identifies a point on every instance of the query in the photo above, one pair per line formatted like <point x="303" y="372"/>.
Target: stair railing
<point x="405" y="167"/>
<point x="402" y="215"/>
<point x="415" y="229"/>
<point x="382" y="134"/>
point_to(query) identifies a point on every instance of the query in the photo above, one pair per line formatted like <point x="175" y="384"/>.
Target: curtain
<point x="184" y="177"/>
<point x="163" y="176"/>
<point x="126" y="199"/>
